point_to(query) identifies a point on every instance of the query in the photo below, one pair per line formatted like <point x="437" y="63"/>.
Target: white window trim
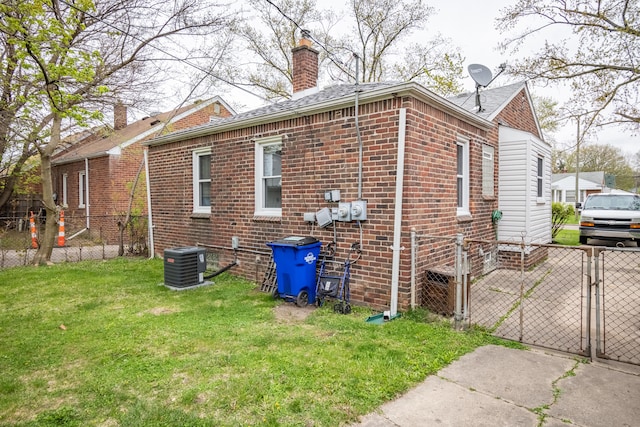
<point x="259" y="209"/>
<point x="540" y="179"/>
<point x="196" y="154"/>
<point x="464" y="209"/>
<point x="82" y="185"/>
<point x="65" y="193"/>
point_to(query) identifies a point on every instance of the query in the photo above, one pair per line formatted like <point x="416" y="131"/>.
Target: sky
<point x="470" y="25"/>
<point x="474" y="32"/>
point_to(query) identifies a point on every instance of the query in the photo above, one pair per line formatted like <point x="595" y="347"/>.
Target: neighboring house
<point x="92" y="178"/>
<point x="260" y="175"/>
<point x="563" y="186"/>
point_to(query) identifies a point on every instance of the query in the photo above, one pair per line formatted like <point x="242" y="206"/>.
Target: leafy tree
<point x="74" y="57"/>
<point x="598" y="56"/>
<point x="607" y="158"/>
<point x="379" y="37"/>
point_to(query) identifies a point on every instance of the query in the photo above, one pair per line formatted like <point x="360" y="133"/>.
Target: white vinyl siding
<point x="523" y="211"/>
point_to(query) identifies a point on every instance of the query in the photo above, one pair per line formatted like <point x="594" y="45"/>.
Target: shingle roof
<point x="292" y="105"/>
<point x="597" y="177"/>
<point x="492" y="100"/>
<point x="133" y="132"/>
<point x="327" y="98"/>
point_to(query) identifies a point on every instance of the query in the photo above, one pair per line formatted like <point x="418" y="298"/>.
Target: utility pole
<point x="577" y="203"/>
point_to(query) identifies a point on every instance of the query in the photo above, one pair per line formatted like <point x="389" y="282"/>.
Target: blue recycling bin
<point x="295" y="258"/>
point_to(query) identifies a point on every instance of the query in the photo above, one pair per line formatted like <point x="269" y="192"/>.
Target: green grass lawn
<point x="104" y="344"/>
<point x="567" y="238"/>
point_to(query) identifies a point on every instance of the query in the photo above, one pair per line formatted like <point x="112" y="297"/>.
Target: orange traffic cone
<point x="34" y="234"/>
<point x="61" y="230"/>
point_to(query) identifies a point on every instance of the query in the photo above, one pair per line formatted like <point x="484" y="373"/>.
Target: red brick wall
<point x="305" y="68"/>
<point x="111" y="179"/>
<point x="320" y="152"/>
<point x="518" y="115"/>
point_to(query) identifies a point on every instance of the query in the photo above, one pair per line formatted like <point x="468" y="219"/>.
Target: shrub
<point x="560" y="214"/>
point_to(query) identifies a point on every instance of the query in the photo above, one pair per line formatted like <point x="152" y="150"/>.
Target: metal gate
<point x="617" y="304"/>
<point x="544" y="304"/>
<point x="572" y="299"/>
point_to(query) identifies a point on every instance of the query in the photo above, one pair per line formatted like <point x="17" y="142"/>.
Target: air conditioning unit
<point x="184" y="267"/>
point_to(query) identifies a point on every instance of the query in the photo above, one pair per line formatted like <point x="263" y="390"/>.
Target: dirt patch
<point x="291" y="313"/>
<point x="159" y="311"/>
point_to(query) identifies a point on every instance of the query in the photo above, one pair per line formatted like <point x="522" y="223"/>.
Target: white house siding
<point x="562" y="186"/>
<point x="522" y="210"/>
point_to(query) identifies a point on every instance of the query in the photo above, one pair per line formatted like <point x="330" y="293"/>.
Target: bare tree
<point x="377" y="33"/>
<point x="80" y="55"/>
<point x="595" y="47"/>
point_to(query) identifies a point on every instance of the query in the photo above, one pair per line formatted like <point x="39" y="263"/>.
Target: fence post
<point x="413" y="268"/>
<point x="458" y="263"/>
<point x="596" y="285"/>
<point x="521" y="289"/>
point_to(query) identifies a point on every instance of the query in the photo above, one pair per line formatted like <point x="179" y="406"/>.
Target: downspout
<point x="149" y="215"/>
<point x="86" y="190"/>
<point x="397" y="216"/>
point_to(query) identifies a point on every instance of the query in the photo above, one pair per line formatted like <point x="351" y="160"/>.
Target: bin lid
<point x="295" y="241"/>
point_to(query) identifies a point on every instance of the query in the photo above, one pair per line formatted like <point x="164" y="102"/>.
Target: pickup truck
<point x="608" y="216"/>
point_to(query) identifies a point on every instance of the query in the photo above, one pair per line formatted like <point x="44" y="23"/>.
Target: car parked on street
<point x="609" y="216"/>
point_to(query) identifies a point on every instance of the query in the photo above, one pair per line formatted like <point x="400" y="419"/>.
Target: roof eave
<point x="403" y="89"/>
<point x="79" y="158"/>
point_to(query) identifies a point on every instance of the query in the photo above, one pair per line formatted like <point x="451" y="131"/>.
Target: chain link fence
<point x="617" y="284"/>
<point x="541" y="300"/>
<point x="559" y="297"/>
<point x="95" y="237"/>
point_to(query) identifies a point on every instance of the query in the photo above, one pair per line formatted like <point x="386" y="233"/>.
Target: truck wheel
<point x="583" y="240"/>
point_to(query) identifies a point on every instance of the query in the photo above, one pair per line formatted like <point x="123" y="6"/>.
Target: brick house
<point x="92" y="178"/>
<point x="255" y="175"/>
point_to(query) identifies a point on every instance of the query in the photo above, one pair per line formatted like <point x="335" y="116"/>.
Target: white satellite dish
<point x="480" y="74"/>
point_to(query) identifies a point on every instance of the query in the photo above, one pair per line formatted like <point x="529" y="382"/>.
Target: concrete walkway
<point x="498" y="386"/>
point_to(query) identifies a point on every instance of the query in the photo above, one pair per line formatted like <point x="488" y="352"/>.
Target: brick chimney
<point x="120" y="116"/>
<point x="305" y="65"/>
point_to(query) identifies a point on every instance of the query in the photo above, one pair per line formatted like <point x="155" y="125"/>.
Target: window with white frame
<point x="268" y="176"/>
<point x="462" y="183"/>
<point x="202" y="181"/>
<point x="540" y="177"/>
<point x="487" y="171"/>
<point x="65" y="193"/>
<point x="82" y="189"/>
